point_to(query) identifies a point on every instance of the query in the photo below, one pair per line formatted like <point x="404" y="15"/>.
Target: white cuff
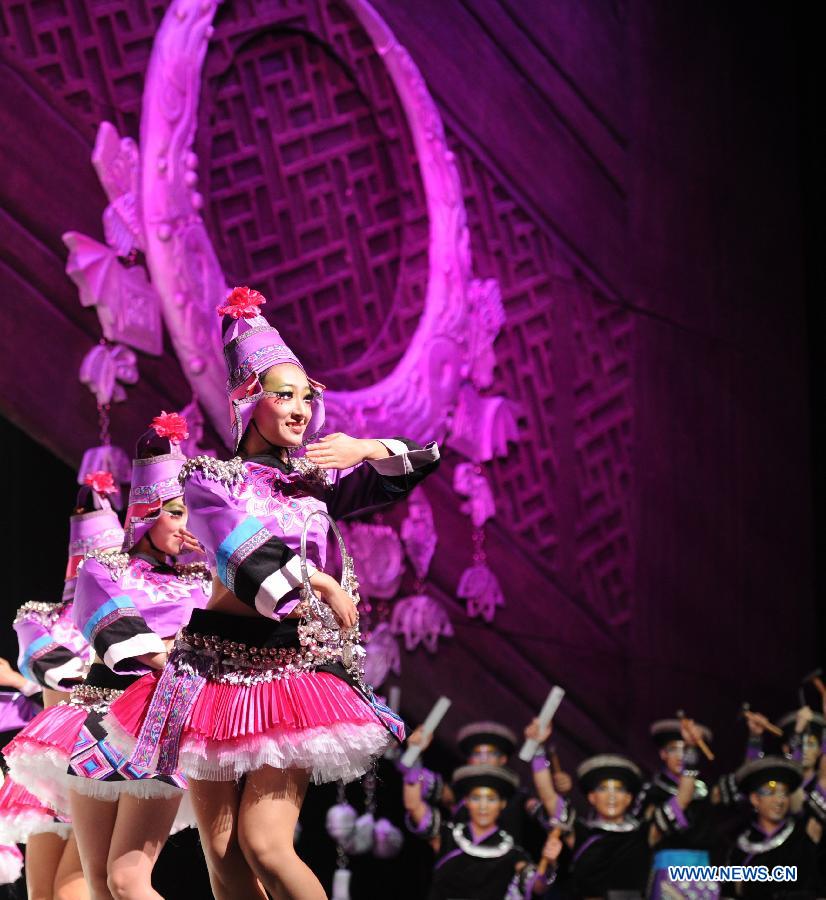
<point x="131" y="648"/>
<point x="276" y="585"/>
<point x="404" y="461"/>
<point x="74" y="670"/>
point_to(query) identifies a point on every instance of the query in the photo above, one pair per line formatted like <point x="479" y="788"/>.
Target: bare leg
<point x="93" y="822"/>
<point x="216" y="808"/>
<point x="141" y="830"/>
<point x="269" y="809"/>
<point x="43" y="852"/>
<point x="69" y="883"/>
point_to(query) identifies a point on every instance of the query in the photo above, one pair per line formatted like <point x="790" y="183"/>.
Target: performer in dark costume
<point x="678" y="803"/>
<point x="611" y="849"/>
<point x="477" y="859"/>
<point x="775" y="837"/>
<point x="488" y="743"/>
<point x="803" y="733"/>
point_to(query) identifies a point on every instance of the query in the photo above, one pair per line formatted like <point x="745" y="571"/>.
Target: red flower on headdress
<point x="101" y="482"/>
<point x="172" y="426"/>
<point x="242" y="303"/>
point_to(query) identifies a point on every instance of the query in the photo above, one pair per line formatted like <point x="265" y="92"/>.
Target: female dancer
<point x="259" y="696"/>
<point x="128" y="606"/>
<point x="55" y="656"/>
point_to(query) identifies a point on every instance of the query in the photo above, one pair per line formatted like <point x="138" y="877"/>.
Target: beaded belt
<point x="234" y="662"/>
<point x="93" y="698"/>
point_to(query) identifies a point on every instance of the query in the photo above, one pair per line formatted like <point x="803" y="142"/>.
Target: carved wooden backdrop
<point x="622" y="195"/>
<point x="313" y="195"/>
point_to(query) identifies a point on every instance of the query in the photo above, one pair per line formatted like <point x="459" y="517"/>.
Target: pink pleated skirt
<point x="64" y="748"/>
<point x="216" y="718"/>
<point x="22" y="815"/>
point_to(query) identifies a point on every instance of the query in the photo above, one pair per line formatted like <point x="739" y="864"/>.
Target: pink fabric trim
<point x="313" y="721"/>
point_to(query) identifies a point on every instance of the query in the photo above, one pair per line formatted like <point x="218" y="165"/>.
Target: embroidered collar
<point x="45" y="613"/>
<point x="296" y="468"/>
<point x="482" y="851"/>
<point x="767" y="843"/>
<point x="188" y="572"/>
<point x="629" y="823"/>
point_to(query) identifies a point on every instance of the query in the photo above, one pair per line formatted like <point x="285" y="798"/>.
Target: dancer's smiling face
<point x="283" y="413"/>
<point x="771" y="801"/>
<point x="166" y="534"/>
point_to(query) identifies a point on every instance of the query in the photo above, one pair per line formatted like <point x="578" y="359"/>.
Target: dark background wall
<point x="643" y="180"/>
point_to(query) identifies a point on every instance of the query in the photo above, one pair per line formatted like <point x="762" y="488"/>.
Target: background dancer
<point x="129" y="606"/>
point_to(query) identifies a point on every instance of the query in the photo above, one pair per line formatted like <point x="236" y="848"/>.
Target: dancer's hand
<point x="340" y="451"/>
<point x="419" y="739"/>
<point x="534" y="732"/>
<point x="553" y="847"/>
<point x="339" y="601"/>
<point x="153" y="660"/>
<point x="803" y="718"/>
<point x="690" y="732"/>
<point x="563" y="783"/>
<point x="189" y="543"/>
<point x="756" y="722"/>
<point x="9" y="677"/>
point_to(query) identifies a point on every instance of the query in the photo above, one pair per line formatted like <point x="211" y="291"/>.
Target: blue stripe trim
<point x="124" y="601"/>
<point x="34" y="647"/>
<point x="239" y="535"/>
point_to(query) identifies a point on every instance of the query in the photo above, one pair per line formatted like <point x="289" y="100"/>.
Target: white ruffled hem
<point x="339" y="753"/>
<point x="11" y="865"/>
<point x="17" y="829"/>
<point x="144" y="789"/>
<point x="42" y="773"/>
<point x="47" y="778"/>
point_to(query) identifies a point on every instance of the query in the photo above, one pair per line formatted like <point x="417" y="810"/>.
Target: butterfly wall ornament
<point x="469" y="480"/>
<point x="383" y="655"/>
<point x="480" y="589"/>
<point x="127" y="305"/>
<point x="421" y="620"/>
<point x="379" y="559"/>
<point x="105" y="369"/>
<point x="419" y="533"/>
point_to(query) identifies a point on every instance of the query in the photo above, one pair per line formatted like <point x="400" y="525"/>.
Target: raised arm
<point x="369" y="474"/>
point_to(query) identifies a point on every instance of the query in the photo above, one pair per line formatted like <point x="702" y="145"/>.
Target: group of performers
<point x="622" y="839"/>
<point x="211" y="691"/>
<point x="202" y="668"/>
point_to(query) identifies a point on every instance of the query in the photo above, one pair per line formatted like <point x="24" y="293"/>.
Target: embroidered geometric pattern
<point x="98" y="760"/>
<point x="230" y="553"/>
<point x="242" y="552"/>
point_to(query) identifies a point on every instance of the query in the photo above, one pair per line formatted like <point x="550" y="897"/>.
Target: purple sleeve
<point x="110" y="621"/>
<point x="258" y="567"/>
<point x="16" y="711"/>
<point x="42" y="659"/>
<point x="380" y="482"/>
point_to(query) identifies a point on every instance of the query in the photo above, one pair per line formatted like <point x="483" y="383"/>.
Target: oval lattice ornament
<point x="414" y="397"/>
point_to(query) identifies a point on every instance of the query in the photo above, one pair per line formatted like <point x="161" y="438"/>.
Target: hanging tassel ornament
<point x="478" y="586"/>
<point x="340" y="824"/>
